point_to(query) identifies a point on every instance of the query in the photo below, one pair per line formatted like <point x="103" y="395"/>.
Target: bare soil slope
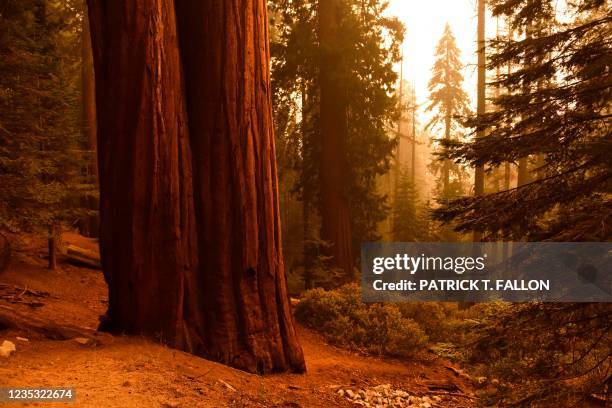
<point x="127" y="371"/>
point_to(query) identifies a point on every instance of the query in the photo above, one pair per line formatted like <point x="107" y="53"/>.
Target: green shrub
<point x="319" y="307"/>
<point x="346" y="321"/>
<point x="432" y="317"/>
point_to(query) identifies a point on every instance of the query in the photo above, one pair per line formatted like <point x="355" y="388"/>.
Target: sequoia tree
<point x="147" y="236"/>
<point x="248" y="320"/>
<point x="190" y="235"/>
<point x="89" y="224"/>
<point x="335" y="221"/>
<point x="340" y="54"/>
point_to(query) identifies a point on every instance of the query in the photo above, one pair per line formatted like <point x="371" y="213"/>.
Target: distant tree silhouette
<point x="448" y="100"/>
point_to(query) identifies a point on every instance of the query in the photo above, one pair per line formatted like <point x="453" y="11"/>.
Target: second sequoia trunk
<point x="246" y="306"/>
<point x="147" y="236"/>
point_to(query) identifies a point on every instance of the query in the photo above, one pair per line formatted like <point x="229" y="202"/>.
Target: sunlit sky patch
<point x="425" y="21"/>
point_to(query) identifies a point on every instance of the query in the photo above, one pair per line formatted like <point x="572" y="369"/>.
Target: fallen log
<point x="83" y="257"/>
<point x="12" y="319"/>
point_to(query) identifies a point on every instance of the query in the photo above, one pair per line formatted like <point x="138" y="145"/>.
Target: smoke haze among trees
<point x="228" y="156"/>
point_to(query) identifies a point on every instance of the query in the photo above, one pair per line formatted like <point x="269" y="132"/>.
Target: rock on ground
<point x="7" y="348"/>
<point x="384" y="395"/>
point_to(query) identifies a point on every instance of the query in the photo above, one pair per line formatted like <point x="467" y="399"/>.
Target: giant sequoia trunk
<point x="157" y="220"/>
<point x="335" y="218"/>
<point x="147" y="239"/>
<point x="247" y="315"/>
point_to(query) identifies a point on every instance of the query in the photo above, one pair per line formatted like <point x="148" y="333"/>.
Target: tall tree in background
<point x="481" y="104"/>
<point x="450" y="103"/>
<point x="408" y="219"/>
<point x="507" y="165"/>
<point x="409" y="222"/>
<point x="333" y="166"/>
<point x="522" y="176"/>
<point x="190" y="234"/>
<point x="356" y="64"/>
<point x="90" y="223"/>
<point x="88" y="92"/>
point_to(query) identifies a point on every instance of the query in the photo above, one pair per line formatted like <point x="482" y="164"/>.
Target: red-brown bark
<point x="335" y="216"/>
<point x="158" y="219"/>
<point x="248" y="319"/>
<point x="147" y="237"/>
<point x="88" y="94"/>
<point x="89" y="225"/>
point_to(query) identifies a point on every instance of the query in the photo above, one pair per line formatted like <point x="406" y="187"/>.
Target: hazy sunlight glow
<point x="424" y="22"/>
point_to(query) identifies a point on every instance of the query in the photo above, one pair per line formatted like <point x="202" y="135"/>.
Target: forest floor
<point x="128" y="371"/>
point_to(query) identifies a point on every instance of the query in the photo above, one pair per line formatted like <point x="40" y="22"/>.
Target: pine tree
<point x="450" y="103"/>
<point x="408" y="220"/>
<point x="557" y="109"/>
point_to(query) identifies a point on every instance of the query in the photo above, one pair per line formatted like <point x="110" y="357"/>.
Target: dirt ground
<point x="127" y="371"/>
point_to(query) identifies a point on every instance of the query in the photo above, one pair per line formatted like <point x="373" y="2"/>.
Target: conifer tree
<point x="449" y="102"/>
<point x="333" y="140"/>
<point x="558" y="109"/>
<point x="42" y="150"/>
<point x="408" y="223"/>
<point x="481" y="106"/>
